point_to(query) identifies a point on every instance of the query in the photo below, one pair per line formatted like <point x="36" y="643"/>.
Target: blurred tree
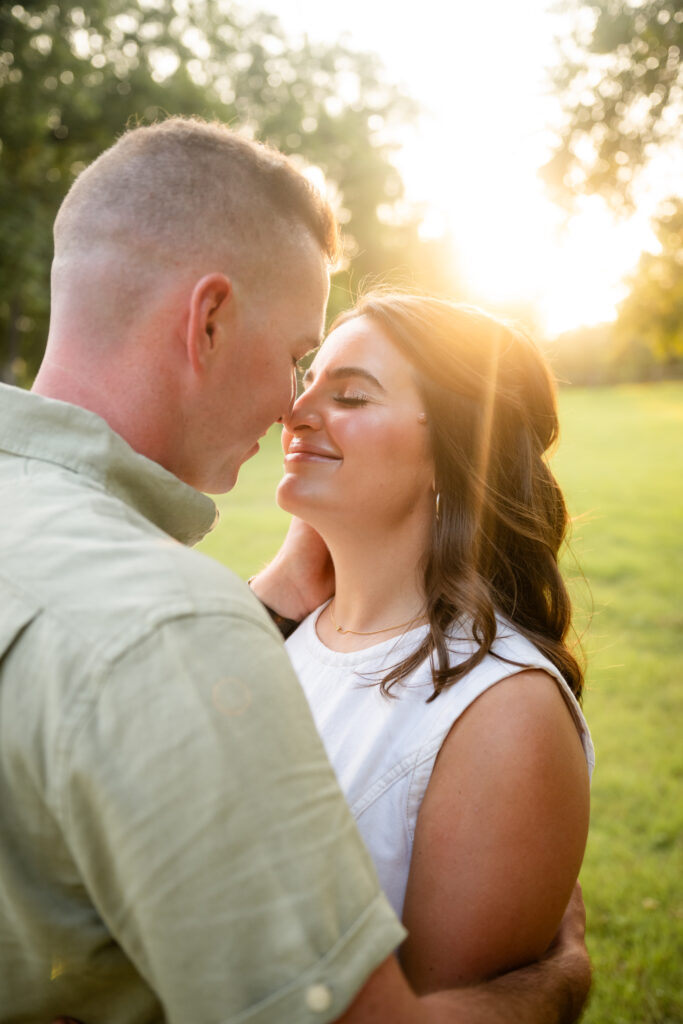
<point x="582" y="356"/>
<point x="646" y="340"/>
<point x="652" y="313"/>
<point x="73" y="76"/>
<point x="621" y="84"/>
<point x="592" y="356"/>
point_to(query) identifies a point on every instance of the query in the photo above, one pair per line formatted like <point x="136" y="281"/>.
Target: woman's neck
<point x="378" y="587"/>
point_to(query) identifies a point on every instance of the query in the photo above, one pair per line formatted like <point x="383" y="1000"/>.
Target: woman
<point x="439" y="675"/>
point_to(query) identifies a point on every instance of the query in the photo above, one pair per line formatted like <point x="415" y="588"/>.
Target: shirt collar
<point x="67" y="435"/>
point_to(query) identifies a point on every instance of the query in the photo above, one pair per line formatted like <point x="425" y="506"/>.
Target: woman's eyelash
<point x="351" y="399"/>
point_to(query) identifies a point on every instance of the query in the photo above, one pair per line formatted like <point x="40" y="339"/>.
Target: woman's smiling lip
<point x="303" y="452"/>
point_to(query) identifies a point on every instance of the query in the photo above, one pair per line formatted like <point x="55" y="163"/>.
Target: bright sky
<point x="478" y="69"/>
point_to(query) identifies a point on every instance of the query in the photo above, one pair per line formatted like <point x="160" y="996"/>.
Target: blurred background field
<point x="620" y="462"/>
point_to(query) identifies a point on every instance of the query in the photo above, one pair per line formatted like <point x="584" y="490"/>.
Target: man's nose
<point x="284" y="418"/>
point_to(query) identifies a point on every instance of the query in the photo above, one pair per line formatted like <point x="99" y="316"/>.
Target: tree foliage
<point x="73" y="76"/>
<point x="652" y="313"/>
<point x="646" y="340"/>
<point x="620" y="79"/>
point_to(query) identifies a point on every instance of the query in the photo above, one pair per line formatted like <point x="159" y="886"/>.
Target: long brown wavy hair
<point x="490" y="399"/>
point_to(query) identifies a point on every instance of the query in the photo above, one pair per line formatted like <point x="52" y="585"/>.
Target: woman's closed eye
<point x="354" y="398"/>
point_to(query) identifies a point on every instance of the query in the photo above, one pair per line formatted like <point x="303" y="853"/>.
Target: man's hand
<point x="568" y="951"/>
<point x="300" y="577"/>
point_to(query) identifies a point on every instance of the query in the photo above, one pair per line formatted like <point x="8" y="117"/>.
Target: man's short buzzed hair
<point x="174" y="191"/>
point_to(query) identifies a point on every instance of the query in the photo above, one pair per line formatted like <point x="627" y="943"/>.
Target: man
<point x="174" y="845"/>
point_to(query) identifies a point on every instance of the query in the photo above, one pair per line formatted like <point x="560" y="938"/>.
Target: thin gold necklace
<point x="371" y="632"/>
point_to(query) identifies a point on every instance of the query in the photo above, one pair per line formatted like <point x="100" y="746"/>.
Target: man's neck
<point x="57" y="379"/>
<point x="121" y="400"/>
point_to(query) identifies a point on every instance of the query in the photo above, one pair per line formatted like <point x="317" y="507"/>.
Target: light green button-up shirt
<point x="173" y="843"/>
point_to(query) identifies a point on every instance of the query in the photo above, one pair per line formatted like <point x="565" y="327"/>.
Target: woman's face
<point x="356" y="443"/>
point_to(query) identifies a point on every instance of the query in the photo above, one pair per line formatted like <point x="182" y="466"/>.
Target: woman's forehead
<point x="361" y="342"/>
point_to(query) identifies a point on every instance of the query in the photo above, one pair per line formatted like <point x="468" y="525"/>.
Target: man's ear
<point x="208" y="302"/>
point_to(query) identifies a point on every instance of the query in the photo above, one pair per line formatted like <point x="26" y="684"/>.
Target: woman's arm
<point x="499" y="839"/>
<point x="300" y="577"/>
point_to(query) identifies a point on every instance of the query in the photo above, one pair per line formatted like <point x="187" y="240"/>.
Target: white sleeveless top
<point x="383" y="750"/>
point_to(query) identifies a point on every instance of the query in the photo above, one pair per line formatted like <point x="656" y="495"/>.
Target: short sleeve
<point x="212" y="836"/>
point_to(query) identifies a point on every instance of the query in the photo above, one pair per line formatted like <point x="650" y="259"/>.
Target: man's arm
<point x="210" y="832"/>
<point x="551" y="991"/>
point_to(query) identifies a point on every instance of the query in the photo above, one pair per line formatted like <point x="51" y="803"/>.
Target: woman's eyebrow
<point x="343" y="373"/>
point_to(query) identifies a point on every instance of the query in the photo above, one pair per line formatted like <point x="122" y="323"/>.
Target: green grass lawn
<point x="620" y="462"/>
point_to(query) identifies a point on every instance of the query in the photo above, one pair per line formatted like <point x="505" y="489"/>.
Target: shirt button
<point x="318" y="998"/>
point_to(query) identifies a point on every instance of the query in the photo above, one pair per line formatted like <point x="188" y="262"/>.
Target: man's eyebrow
<point x="307" y="345"/>
<point x="343" y="373"/>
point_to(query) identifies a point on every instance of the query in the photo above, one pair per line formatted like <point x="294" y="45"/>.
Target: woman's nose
<point x="303" y="413"/>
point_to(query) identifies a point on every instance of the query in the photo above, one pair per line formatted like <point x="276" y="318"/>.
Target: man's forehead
<point x="301" y="256"/>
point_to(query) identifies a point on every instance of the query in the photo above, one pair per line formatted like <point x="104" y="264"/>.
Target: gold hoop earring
<point x="437" y="505"/>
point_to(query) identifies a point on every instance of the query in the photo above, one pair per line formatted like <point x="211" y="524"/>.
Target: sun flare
<point x="471" y="160"/>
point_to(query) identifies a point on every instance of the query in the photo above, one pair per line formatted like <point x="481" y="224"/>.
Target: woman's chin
<point x="301" y="502"/>
<point x="290" y="498"/>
